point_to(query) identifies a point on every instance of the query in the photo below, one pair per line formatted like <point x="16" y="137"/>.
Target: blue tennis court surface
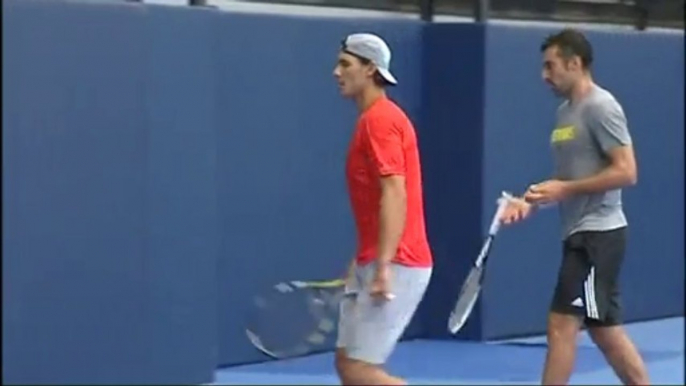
<point x="508" y="362"/>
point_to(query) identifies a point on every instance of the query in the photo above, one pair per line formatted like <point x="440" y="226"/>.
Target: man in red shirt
<point x="393" y="264"/>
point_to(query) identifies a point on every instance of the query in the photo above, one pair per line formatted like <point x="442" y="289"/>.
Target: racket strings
<point x="306" y="314"/>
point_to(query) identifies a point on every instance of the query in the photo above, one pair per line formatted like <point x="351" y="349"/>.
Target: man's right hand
<point x="516" y="210"/>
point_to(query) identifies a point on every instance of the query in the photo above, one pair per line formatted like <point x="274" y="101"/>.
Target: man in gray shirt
<point x="594" y="159"/>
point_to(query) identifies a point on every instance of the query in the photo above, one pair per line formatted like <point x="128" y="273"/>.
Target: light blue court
<point x="509" y="362"/>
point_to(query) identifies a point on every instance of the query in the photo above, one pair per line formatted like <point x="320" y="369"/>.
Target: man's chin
<point x="346" y="94"/>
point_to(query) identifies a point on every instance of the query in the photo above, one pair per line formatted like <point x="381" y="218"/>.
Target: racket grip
<point x="504" y="200"/>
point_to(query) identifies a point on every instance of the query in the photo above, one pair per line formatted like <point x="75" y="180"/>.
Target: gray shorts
<point x="369" y="329"/>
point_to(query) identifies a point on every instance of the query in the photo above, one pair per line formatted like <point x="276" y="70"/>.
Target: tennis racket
<point x="471" y="287"/>
<point x="295" y="318"/>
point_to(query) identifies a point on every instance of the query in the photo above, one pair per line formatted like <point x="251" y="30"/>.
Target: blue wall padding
<point x="110" y="243"/>
<point x="450" y="136"/>
<point x="162" y="164"/>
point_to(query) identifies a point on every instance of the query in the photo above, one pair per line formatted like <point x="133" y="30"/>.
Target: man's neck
<point x="368" y="97"/>
<point x="581" y="89"/>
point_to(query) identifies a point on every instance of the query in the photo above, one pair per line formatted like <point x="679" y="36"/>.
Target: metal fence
<point x="639" y="13"/>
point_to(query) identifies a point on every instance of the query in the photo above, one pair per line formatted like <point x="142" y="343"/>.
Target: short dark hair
<point x="571" y="42"/>
<point x="378" y="79"/>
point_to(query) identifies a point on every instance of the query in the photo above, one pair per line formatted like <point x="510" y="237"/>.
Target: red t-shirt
<point x="385" y="143"/>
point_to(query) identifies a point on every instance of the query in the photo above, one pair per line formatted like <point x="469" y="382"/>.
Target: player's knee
<point x="369" y="374"/>
<point x="342" y="367"/>
<point x="349" y="369"/>
<point x="355" y="372"/>
<point x="612" y="341"/>
<point x="608" y="339"/>
<point x="358" y="366"/>
<point x="562" y="328"/>
<point x="341" y="362"/>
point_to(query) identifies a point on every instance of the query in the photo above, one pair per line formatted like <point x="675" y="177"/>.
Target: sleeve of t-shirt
<point x="609" y="125"/>
<point x="384" y="142"/>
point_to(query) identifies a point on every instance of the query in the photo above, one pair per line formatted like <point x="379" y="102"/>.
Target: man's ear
<point x="575" y="62"/>
<point x="371" y="69"/>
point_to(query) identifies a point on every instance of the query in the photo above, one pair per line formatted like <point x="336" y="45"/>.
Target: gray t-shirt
<point x="584" y="134"/>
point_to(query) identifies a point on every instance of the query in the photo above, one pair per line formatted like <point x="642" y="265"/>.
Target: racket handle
<point x="503" y="201"/>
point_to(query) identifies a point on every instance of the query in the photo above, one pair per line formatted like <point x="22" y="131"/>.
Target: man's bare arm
<point x="392" y="216"/>
<point x="620" y="173"/>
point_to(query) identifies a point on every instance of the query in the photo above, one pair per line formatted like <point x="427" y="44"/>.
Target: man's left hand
<point x="547" y="192"/>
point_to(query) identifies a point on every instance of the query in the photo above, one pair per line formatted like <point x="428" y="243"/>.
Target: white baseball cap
<point x="373" y="48"/>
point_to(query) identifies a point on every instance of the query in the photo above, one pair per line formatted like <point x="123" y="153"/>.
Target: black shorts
<point x="588" y="280"/>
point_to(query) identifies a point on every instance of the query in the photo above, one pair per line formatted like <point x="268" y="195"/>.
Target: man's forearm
<point x="608" y="179"/>
<point x="391" y="223"/>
